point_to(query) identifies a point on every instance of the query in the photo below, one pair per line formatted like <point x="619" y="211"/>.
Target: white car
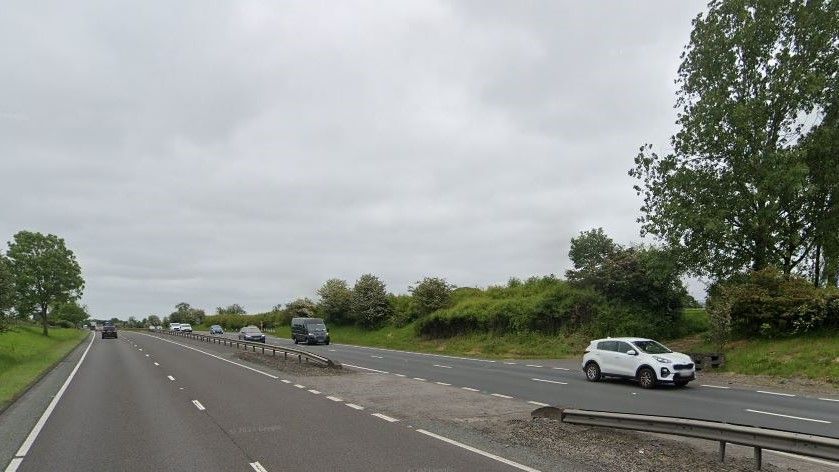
<point x="645" y="360"/>
<point x="186" y="328"/>
<point x="152" y="327"/>
<point x="175" y="326"/>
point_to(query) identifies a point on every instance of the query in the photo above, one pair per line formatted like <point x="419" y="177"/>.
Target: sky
<point x="246" y="151"/>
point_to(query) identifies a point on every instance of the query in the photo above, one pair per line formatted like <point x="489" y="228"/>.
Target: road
<point x="142" y="402"/>
<point x="562" y="383"/>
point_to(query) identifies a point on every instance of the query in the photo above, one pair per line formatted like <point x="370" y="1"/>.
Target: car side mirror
<point x="632" y="352"/>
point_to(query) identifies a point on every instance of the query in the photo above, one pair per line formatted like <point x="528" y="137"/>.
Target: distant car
<point x="251" y="333"/>
<point x="186" y="328"/>
<point x="644" y="360"/>
<point x="175" y="326"/>
<point x="109" y="331"/>
<point x="152" y="327"/>
<point x="309" y="330"/>
<point x="216" y="329"/>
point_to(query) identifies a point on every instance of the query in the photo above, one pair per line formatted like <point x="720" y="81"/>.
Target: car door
<point x="625" y="363"/>
<point x="606" y="357"/>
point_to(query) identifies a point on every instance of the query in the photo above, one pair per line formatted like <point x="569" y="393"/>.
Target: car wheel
<point x="326" y="342"/>
<point x="293" y="338"/>
<point x="592" y="372"/>
<point x="646" y="378"/>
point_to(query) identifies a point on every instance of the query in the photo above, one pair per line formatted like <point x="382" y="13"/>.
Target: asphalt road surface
<point x="143" y="402"/>
<point x="562" y="383"/>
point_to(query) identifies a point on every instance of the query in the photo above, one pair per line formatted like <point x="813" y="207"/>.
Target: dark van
<point x="309" y="331"/>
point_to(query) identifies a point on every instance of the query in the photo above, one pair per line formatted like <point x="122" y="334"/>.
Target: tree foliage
<point x="154" y="320"/>
<point x="70" y="311"/>
<point x="370" y="306"/>
<point x="301" y="307"/>
<point x="335" y="301"/>
<point x="184" y="313"/>
<point x="45" y="273"/>
<point x="431" y="294"/>
<point x="234" y="309"/>
<point x="734" y="192"/>
<point x="7" y="292"/>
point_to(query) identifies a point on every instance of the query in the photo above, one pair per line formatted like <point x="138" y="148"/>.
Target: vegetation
<point x="25" y="355"/>
<point x="7" y="292"/>
<point x="184" y="313"/>
<point x="369" y="304"/>
<point x="335" y="299"/>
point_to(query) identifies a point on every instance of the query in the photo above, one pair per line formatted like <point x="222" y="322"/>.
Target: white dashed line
<point x="377" y="357"/>
<point x="139" y="349"/>
<point x="285" y="381"/>
<point x="367" y="368"/>
<point x="470" y="389"/>
<point x="354" y="406"/>
<point x="170" y="377"/>
<point x="399" y="375"/>
<point x="537" y="403"/>
<point x="299" y="386"/>
<point x="156" y="364"/>
<point x="442" y="383"/>
<point x="442" y="366"/>
<point x="511" y="363"/>
<point x="830" y="399"/>
<point x="788" y="416"/>
<point x="500" y="396"/>
<point x="332" y="350"/>
<point x="385" y="417"/>
<point x="550" y="381"/>
<point x="478" y="451"/>
<point x="314" y="391"/>
<point x="147" y="355"/>
<point x="559" y="368"/>
<point x="258" y="467"/>
<point x="198" y="405"/>
<point x="532" y="365"/>
<point x="420" y="379"/>
<point x="334" y="399"/>
<point x="715" y="386"/>
<point x="776" y="393"/>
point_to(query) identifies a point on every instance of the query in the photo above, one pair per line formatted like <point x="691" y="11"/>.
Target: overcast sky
<point x="244" y="152"/>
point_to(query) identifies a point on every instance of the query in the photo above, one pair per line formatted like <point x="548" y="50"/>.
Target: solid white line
<point x="442" y="366"/>
<point x="299" y="386"/>
<point x="335" y="399"/>
<point x="559" y="368"/>
<point x="420" y="379"/>
<point x="788" y="416"/>
<point x="442" y="383"/>
<point x="366" y="368"/>
<point x="776" y="393"/>
<point x="24" y="448"/>
<point x="715" y="386"/>
<point x="470" y="389"/>
<point x="385" y="417"/>
<point x="830" y="399"/>
<point x="170" y="377"/>
<point x="285" y="381"/>
<point x="537" y="403"/>
<point x="314" y="391"/>
<point x="198" y="405"/>
<point x="478" y="451"/>
<point x="550" y="381"/>
<point x="804" y="458"/>
<point x="532" y="365"/>
<point x="500" y="396"/>
<point x="14" y="464"/>
<point x="258" y="467"/>
<point x="213" y="355"/>
<point x="156" y="363"/>
<point x="354" y="406"/>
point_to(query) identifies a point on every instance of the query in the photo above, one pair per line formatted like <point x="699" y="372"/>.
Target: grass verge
<point x="25" y="354"/>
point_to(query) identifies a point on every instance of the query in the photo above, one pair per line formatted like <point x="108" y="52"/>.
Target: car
<point x="186" y="328"/>
<point x="152" y="327"/>
<point x="309" y="330"/>
<point x="216" y="329"/>
<point x="109" y="331"/>
<point x="175" y="326"/>
<point x="641" y="359"/>
<point x="251" y="333"/>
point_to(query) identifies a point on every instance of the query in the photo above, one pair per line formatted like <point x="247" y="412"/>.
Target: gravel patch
<point x="291" y="366"/>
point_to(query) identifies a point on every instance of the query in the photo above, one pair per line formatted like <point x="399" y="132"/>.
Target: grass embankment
<point x="25" y="354"/>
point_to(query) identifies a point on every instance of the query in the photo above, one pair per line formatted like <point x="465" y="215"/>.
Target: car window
<point x="652" y="347"/>
<point x="607" y="345"/>
<point x="622" y="347"/>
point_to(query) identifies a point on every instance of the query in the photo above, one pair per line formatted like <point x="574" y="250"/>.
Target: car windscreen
<point x="651" y="347"/>
<point x="315" y="326"/>
<point x="250" y="330"/>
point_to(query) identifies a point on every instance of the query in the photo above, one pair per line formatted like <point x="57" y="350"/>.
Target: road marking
<point x="367" y="368"/>
<point x="511" y="363"/>
<point x="478" y="451"/>
<point x="354" y="406"/>
<point x="715" y="386"/>
<point x="385" y="417"/>
<point x="776" y="393"/>
<point x="140" y="349"/>
<point x="830" y="399"/>
<point x="417" y="353"/>
<point x="198" y="405"/>
<point x="314" y="391"/>
<point x="335" y="399"/>
<point x="14" y="464"/>
<point x="532" y="365"/>
<point x="399" y="375"/>
<point x="442" y="366"/>
<point x="147" y="355"/>
<point x="156" y="364"/>
<point x="170" y="377"/>
<point x="213" y="355"/>
<point x="470" y="389"/>
<point x="299" y="386"/>
<point x="285" y="381"/>
<point x="550" y="381"/>
<point x="500" y="396"/>
<point x="258" y="467"/>
<point x="420" y="379"/>
<point x="804" y="458"/>
<point x="559" y="368"/>
<point x="332" y="350"/>
<point x="442" y="383"/>
<point x="377" y="357"/>
<point x="36" y="430"/>
<point x="537" y="403"/>
<point x="788" y="416"/>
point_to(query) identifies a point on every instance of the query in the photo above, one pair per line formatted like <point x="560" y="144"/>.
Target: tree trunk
<point x="44" y="319"/>
<point x="817" y="275"/>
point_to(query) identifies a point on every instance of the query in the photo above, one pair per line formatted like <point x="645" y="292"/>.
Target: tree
<point x="335" y="301"/>
<point x="184" y="313"/>
<point x="7" y="292"/>
<point x="234" y="309"/>
<point x="370" y="306"/>
<point x="45" y="273"/>
<point x="431" y="294"/>
<point x="733" y="194"/>
<point x="591" y="249"/>
<point x="301" y="307"/>
<point x="70" y="311"/>
<point x="132" y="322"/>
<point x="154" y="320"/>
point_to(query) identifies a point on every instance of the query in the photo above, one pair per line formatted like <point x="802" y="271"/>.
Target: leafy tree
<point x="734" y="193"/>
<point x="234" y="309"/>
<point x="70" y="311"/>
<point x="431" y="294"/>
<point x="154" y="320"/>
<point x="301" y="307"/>
<point x="370" y="306"/>
<point x="45" y="272"/>
<point x="591" y="249"/>
<point x="7" y="292"/>
<point x="335" y="301"/>
<point x="184" y="313"/>
<point x="132" y="322"/>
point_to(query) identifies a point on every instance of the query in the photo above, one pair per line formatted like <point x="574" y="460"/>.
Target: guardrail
<point x="759" y="438"/>
<point x="273" y="349"/>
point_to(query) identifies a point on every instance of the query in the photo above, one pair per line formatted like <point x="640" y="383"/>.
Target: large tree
<point x="370" y="306"/>
<point x="7" y="292"/>
<point x="431" y="294"/>
<point x="335" y="298"/>
<point x="755" y="78"/>
<point x="70" y="311"/>
<point x="45" y="272"/>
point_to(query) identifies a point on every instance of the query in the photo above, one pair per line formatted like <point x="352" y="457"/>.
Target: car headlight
<point x="662" y="360"/>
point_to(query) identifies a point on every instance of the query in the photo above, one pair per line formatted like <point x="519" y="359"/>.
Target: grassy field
<point x="25" y="353"/>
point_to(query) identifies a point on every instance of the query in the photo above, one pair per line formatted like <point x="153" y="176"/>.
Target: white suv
<point x="637" y="358"/>
<point x="186" y="328"/>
